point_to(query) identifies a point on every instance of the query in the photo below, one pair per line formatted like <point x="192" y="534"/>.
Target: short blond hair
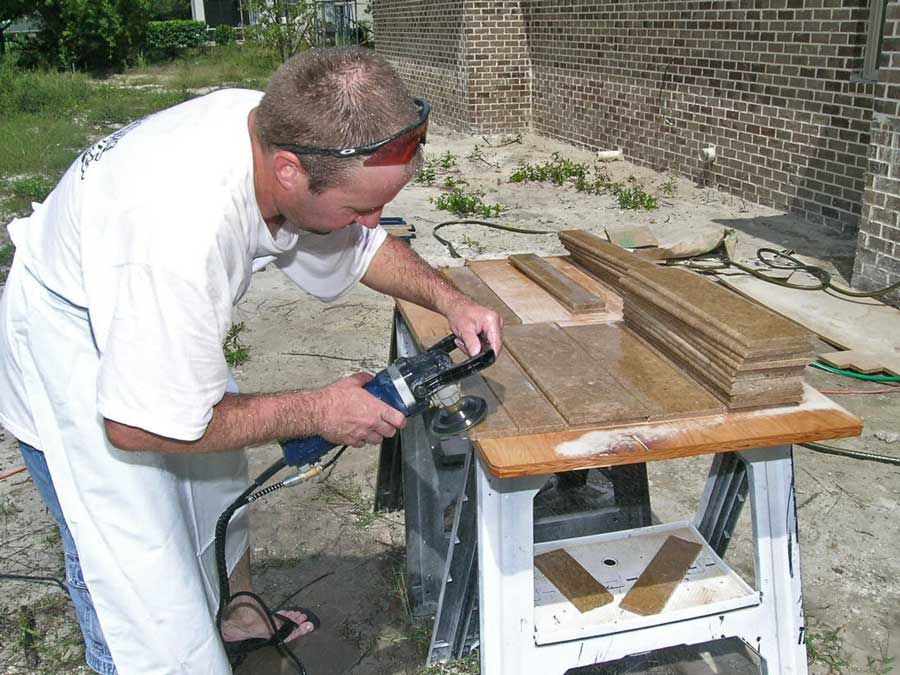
<point x="334" y="98"/>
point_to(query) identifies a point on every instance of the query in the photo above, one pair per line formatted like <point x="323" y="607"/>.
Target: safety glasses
<point x="392" y="151"/>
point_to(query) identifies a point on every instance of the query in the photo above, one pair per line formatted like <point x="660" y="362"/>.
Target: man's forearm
<point x="238" y="421"/>
<point x="399" y="271"/>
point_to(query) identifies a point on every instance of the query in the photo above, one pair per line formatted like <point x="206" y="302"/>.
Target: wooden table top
<point x="560" y="446"/>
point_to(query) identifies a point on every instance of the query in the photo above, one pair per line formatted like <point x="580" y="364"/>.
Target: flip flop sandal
<point x="237" y="650"/>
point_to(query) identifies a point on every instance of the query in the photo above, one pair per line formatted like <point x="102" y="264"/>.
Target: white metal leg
<point x="506" y="570"/>
<point x="781" y="641"/>
<point x="506" y="583"/>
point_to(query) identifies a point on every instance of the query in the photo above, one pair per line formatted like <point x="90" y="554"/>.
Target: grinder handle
<point x="301" y="451"/>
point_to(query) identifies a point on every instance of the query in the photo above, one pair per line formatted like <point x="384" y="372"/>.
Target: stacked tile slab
<point x="743" y="353"/>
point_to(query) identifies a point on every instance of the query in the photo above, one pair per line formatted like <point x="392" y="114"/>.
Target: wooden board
<point x="573" y="297"/>
<point x="568" y="266"/>
<point x="572" y="580"/>
<point x="666" y="392"/>
<point x="661" y="577"/>
<point x="570" y="377"/>
<point x="530" y="302"/>
<point x="816" y="418"/>
<point x="469" y="283"/>
<point x="862" y="325"/>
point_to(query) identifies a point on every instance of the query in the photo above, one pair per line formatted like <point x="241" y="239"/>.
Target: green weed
<point x="634" y="197"/>
<point x="236" y="352"/>
<point x="558" y="171"/>
<point x="670" y="186"/>
<point x="450" y="182"/>
<point x="447" y="161"/>
<point x="427" y="175"/>
<point x="466" y="204"/>
<point x="826" y="647"/>
<point x="473" y="244"/>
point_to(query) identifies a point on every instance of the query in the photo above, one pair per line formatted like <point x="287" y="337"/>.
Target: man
<point x="112" y="320"/>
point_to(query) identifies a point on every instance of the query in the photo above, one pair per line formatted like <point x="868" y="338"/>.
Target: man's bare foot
<point x="245" y="619"/>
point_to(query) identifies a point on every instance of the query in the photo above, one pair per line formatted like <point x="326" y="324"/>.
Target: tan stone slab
<point x="667" y="391"/>
<point x="573" y="581"/>
<point x="522" y="401"/>
<point x="659" y="580"/>
<point x="573" y="297"/>
<point x="572" y="378"/>
<point x="471" y="284"/>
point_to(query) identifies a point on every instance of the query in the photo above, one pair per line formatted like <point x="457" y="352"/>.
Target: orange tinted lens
<point x="399" y="151"/>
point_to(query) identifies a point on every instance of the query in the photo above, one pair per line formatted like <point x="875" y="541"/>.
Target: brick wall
<point x="770" y="83"/>
<point x="878" y="251"/>
<point x="467" y="57"/>
<point x="424" y="41"/>
<point x="775" y="85"/>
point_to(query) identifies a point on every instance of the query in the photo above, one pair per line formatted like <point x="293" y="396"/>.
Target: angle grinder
<point x="412" y="385"/>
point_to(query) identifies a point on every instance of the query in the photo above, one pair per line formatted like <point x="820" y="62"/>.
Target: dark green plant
<point x="447" y="161"/>
<point x="168" y="38"/>
<point x="466" y="204"/>
<point x="95" y="35"/>
<point x="224" y="34"/>
<point x="634" y="197"/>
<point x="6" y="254"/>
<point x="166" y="10"/>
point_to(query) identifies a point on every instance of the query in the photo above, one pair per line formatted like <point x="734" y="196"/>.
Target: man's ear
<point x="288" y="171"/>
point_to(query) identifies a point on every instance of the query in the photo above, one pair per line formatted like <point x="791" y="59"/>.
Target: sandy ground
<point x="321" y="545"/>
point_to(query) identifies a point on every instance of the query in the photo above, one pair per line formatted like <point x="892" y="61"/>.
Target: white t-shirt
<point x="155" y="231"/>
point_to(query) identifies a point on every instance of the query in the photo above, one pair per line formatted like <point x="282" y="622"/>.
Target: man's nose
<point x="370" y="220"/>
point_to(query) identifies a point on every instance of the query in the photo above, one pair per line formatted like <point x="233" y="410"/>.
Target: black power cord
<point x="483" y="223"/>
<point x="252" y="493"/>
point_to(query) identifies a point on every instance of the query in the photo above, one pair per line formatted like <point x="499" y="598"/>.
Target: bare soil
<point x="323" y="537"/>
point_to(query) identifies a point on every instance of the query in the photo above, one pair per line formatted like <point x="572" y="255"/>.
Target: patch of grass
<point x="466" y="203"/>
<point x="473" y="244"/>
<point x="450" y="182"/>
<point x="6" y="254"/>
<point x="236" y="352"/>
<point x="32" y="188"/>
<point x="361" y="508"/>
<point x="241" y="65"/>
<point x="468" y="665"/>
<point x="826" y="648"/>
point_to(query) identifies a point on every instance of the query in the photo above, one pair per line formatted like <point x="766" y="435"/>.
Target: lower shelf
<point x="616" y="560"/>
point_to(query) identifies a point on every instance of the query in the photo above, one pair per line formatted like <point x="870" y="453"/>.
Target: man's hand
<point x="347" y="414"/>
<point x="468" y="320"/>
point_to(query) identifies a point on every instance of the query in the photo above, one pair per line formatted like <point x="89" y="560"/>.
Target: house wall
<point x="775" y="85"/>
<point x="877" y="262"/>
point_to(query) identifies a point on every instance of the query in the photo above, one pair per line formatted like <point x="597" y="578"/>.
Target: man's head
<point x="334" y="99"/>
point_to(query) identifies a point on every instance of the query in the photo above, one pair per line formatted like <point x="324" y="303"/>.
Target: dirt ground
<point x="321" y="545"/>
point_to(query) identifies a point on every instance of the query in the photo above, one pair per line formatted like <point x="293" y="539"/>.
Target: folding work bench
<point x="475" y="524"/>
